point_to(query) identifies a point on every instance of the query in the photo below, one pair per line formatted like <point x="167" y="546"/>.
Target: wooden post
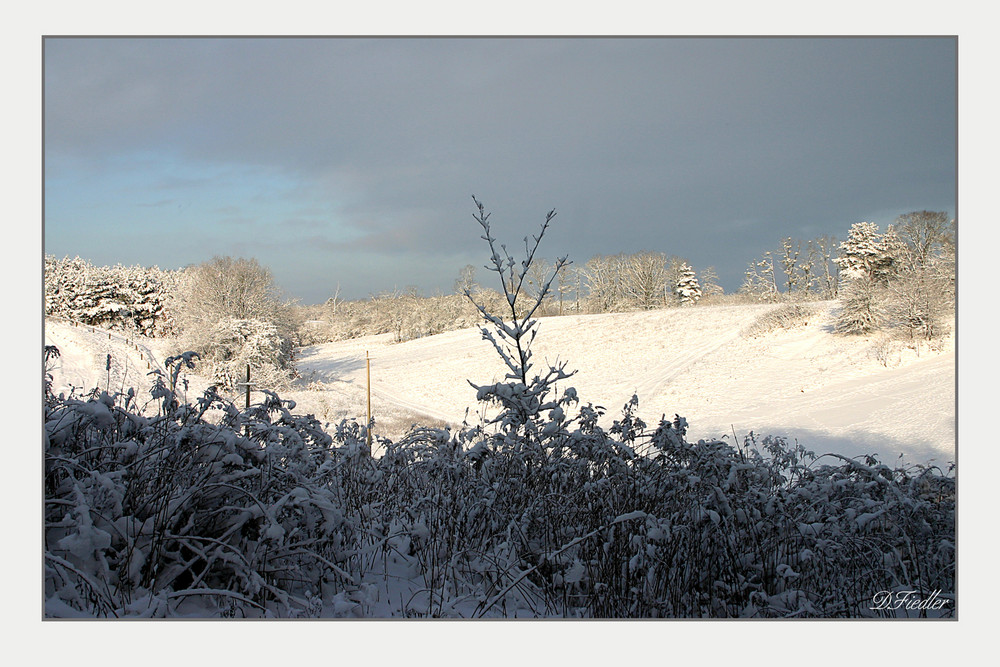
<point x="248" y="387"/>
<point x="368" y="368"/>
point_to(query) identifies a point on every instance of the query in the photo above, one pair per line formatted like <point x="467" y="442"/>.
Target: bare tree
<point x="760" y="281"/>
<point x="709" y="281"/>
<point x="828" y="273"/>
<point x="924" y="233"/>
<point x="466" y="280"/>
<point x="604" y="279"/>
<point x="645" y="279"/>
<point x="789" y="258"/>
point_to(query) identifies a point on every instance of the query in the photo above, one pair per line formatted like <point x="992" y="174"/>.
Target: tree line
<point x="231" y="312"/>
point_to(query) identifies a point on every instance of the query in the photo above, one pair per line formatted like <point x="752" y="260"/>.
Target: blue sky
<point x="350" y="162"/>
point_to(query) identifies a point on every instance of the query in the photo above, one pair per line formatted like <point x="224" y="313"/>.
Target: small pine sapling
<point x="522" y="397"/>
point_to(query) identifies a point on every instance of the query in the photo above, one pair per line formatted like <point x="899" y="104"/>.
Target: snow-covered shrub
<point x="124" y="298"/>
<point x="787" y="316"/>
<point x="406" y="316"/>
<point x="232" y="344"/>
<point x="155" y="516"/>
<point x="210" y="510"/>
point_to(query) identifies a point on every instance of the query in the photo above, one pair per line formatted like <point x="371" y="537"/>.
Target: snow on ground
<point x="83" y="359"/>
<point x="830" y="393"/>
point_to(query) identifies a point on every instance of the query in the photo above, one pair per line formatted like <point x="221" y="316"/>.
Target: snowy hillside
<point x="832" y="393"/>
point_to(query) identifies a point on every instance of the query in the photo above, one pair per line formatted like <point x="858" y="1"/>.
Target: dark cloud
<point x="712" y="149"/>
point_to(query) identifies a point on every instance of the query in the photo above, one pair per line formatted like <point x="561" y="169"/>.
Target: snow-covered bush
<point x="406" y="316"/>
<point x="786" y="316"/>
<point x="176" y="514"/>
<point x="209" y="510"/>
<point x="232" y="344"/>
<point x="124" y="298"/>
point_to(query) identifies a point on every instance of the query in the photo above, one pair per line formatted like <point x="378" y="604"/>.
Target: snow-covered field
<point x="831" y="393"/>
<point x="849" y="395"/>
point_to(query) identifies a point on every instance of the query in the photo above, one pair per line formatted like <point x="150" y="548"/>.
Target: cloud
<point x="668" y="144"/>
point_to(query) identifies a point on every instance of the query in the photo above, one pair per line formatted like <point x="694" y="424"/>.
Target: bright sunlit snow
<point x="830" y="392"/>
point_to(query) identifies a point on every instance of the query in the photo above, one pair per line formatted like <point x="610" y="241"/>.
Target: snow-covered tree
<point x="790" y="251"/>
<point x="604" y="280"/>
<point x="227" y="287"/>
<point x="525" y="396"/>
<point x="759" y="280"/>
<point x="688" y="290"/>
<point x="641" y="280"/>
<point x="867" y="261"/>
<point x="921" y="295"/>
<point x="466" y="281"/>
<point x="824" y="267"/>
<point x="230" y="313"/>
<point x="709" y="282"/>
<point x="867" y="254"/>
<point x="569" y="281"/>
<point x="861" y="307"/>
<point x="125" y="298"/>
<point x="902" y="280"/>
<point x="235" y="343"/>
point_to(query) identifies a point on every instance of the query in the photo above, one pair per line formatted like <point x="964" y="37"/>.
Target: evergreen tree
<point x="866" y="261"/>
<point x="688" y="290"/>
<point x="868" y="255"/>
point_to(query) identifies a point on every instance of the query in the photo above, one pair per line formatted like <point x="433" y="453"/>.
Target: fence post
<point x="368" y="430"/>
<point x="248" y="385"/>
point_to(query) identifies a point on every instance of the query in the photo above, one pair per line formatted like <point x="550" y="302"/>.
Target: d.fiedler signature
<point x="908" y="600"/>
